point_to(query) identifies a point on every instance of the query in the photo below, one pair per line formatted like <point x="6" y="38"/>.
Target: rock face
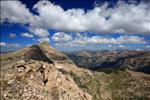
<point x="36" y="53"/>
<point x="132" y="60"/>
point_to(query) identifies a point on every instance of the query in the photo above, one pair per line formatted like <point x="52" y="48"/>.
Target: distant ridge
<point x="132" y="60"/>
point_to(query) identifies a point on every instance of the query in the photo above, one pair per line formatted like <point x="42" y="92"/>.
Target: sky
<point x="71" y="25"/>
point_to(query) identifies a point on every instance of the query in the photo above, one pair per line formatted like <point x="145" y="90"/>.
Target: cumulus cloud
<point x="121" y="46"/>
<point x="61" y="37"/>
<point x="12" y="35"/>
<point x="10" y="46"/>
<point x="131" y="39"/>
<point x="39" y="32"/>
<point x="17" y="46"/>
<point x="138" y="49"/>
<point x="109" y="46"/>
<point x="15" y="12"/>
<point x="82" y="40"/>
<point x="148" y="46"/>
<point x="2" y="44"/>
<point x="123" y="18"/>
<point x="44" y="39"/>
<point x="27" y="35"/>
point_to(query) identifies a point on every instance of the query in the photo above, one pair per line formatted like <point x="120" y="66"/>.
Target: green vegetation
<point x="117" y="86"/>
<point x="88" y="84"/>
<point x="111" y="70"/>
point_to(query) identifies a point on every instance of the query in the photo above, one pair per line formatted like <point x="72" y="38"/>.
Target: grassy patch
<point x="88" y="84"/>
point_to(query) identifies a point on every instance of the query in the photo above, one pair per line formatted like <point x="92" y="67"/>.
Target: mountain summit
<point x="42" y="52"/>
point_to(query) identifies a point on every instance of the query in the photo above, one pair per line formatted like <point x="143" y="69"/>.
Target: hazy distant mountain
<point x="133" y="60"/>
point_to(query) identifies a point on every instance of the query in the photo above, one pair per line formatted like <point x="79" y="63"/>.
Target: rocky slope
<point x="40" y="72"/>
<point x="132" y="60"/>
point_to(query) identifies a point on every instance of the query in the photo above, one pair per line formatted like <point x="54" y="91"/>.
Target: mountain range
<point x="40" y="72"/>
<point x="132" y="60"/>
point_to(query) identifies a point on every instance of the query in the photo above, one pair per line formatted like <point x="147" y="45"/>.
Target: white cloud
<point x="44" y="39"/>
<point x="10" y="46"/>
<point x="82" y="40"/>
<point x="109" y="46"/>
<point x="148" y="46"/>
<point x="131" y="39"/>
<point x="61" y="36"/>
<point x="13" y="45"/>
<point x="121" y="46"/>
<point x="138" y="49"/>
<point x="123" y="18"/>
<point x="27" y="35"/>
<point x="2" y="44"/>
<point x="41" y="33"/>
<point x="15" y="12"/>
<point x="12" y="35"/>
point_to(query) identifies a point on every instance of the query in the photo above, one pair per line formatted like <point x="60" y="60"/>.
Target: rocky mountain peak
<point x="38" y="72"/>
<point x="41" y="52"/>
<point x="36" y="53"/>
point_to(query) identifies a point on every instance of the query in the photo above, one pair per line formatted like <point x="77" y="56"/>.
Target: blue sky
<point x="75" y="24"/>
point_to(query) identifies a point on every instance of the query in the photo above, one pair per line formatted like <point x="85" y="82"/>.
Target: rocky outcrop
<point x="38" y="80"/>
